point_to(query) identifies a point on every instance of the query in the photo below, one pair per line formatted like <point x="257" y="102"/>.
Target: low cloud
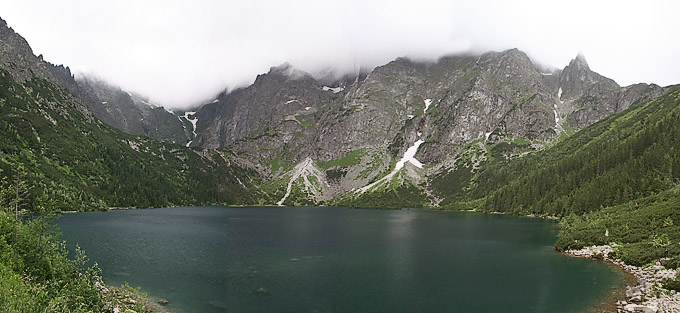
<point x="181" y="53"/>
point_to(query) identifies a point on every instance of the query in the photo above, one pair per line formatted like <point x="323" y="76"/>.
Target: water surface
<point x="267" y="259"/>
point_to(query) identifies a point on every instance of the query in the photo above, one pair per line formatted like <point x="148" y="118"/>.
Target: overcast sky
<point x="182" y="52"/>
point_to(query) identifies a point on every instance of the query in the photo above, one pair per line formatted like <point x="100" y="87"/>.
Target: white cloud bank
<point x="183" y="52"/>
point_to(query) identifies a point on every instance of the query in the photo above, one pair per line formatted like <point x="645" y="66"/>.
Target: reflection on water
<point x="217" y="259"/>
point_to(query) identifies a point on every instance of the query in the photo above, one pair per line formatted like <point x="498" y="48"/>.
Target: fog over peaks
<point x="182" y="53"/>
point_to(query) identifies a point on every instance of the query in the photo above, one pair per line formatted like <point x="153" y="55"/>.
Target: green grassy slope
<point x="615" y="181"/>
<point x="80" y="163"/>
<point x="627" y="156"/>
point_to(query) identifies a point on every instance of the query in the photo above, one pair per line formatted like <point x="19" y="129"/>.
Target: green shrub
<point x="671" y="284"/>
<point x="640" y="253"/>
<point x="671" y="263"/>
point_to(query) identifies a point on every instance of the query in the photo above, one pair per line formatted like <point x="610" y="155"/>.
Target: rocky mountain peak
<point x="511" y="61"/>
<point x="16" y="56"/>
<point x="281" y="78"/>
<point x="578" y="72"/>
<point x="281" y="69"/>
<point x="578" y="64"/>
<point x="591" y="96"/>
<point x="288" y="71"/>
<point x="279" y="103"/>
<point x="515" y="53"/>
<point x="511" y="54"/>
<point x="580" y="60"/>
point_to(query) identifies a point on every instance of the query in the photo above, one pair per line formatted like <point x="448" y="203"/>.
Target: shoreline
<point x="122" y="299"/>
<point x="642" y="290"/>
<point x="644" y="293"/>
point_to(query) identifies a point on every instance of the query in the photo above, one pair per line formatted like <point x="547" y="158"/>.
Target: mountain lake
<point x="325" y="259"/>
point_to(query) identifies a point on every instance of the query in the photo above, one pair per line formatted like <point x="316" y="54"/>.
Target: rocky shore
<point x="126" y="299"/>
<point x="647" y="295"/>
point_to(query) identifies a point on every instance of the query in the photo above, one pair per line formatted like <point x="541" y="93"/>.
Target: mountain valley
<point x="403" y="128"/>
<point x="492" y="132"/>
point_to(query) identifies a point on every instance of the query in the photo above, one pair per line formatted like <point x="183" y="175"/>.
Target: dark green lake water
<point x="270" y="259"/>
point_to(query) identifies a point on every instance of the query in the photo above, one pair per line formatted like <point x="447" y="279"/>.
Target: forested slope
<point x="627" y="156"/>
<point x="76" y="162"/>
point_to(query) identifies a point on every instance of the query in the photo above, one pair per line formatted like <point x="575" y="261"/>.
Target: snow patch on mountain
<point x="193" y="121"/>
<point x="334" y="90"/>
<point x="427" y="105"/>
<point x="559" y="95"/>
<point x="409" y="156"/>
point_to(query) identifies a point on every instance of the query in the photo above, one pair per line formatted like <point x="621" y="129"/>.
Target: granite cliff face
<point x="269" y="104"/>
<point x="401" y="124"/>
<point x="16" y="57"/>
<point x="497" y="96"/>
<point x="129" y="113"/>
<point x="586" y="97"/>
<point x="132" y="113"/>
<point x="447" y="107"/>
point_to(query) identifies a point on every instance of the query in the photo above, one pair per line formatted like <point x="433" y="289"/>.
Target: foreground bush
<point x="36" y="274"/>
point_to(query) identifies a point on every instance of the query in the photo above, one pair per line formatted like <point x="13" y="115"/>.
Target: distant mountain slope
<point x="80" y="163"/>
<point x="629" y="155"/>
<point x="287" y="116"/>
<point x="133" y="114"/>
<point x="503" y="93"/>
<point x="404" y="134"/>
<point x="120" y="109"/>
